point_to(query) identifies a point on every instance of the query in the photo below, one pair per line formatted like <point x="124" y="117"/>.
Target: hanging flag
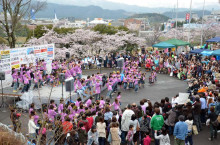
<point x="187" y="17"/>
<point x="32" y="14"/>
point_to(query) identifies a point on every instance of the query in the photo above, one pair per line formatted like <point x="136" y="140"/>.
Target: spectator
<point x="180" y="131"/>
<point x="115" y="134"/>
<point x="93" y="137"/>
<point x="157" y="123"/>
<point x="125" y="122"/>
<point x="164" y="137"/>
<point x="213" y="124"/>
<point x="101" y="131"/>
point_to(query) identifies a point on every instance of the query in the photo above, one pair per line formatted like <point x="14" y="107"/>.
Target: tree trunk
<point x="13" y="40"/>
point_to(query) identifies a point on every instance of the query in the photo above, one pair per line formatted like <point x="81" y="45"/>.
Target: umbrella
<point x="164" y="45"/>
<point x="207" y="53"/>
<point x="216" y="52"/>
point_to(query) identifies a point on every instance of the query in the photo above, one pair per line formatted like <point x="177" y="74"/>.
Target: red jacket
<point x="85" y="124"/>
<point x="67" y="127"/>
<point x="90" y="121"/>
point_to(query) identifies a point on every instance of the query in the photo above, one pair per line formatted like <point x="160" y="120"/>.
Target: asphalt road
<point x="166" y="86"/>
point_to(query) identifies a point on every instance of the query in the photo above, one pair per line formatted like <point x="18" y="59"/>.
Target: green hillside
<point x="152" y="17"/>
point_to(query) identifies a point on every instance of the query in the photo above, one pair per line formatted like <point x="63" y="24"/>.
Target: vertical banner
<point x="187" y="17"/>
<point x="5" y="65"/>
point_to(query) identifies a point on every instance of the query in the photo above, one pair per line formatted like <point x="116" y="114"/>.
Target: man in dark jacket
<point x="196" y="113"/>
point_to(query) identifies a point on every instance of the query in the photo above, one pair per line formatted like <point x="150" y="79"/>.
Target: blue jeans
<point x="79" y="76"/>
<point x="123" y="136"/>
<point x="101" y="141"/>
<point x="170" y="130"/>
<point x="81" y="93"/>
<point x="15" y="87"/>
<point x="136" y="88"/>
<point x="189" y="139"/>
<point x="97" y="97"/>
<point x="156" y="141"/>
<point x="125" y="85"/>
<point x="25" y="88"/>
<point x="109" y="94"/>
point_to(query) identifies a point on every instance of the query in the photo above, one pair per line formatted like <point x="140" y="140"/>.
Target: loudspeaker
<point x="61" y="77"/>
<point x="2" y="75"/>
<point x="69" y="84"/>
<point x="120" y="62"/>
<point x="67" y="55"/>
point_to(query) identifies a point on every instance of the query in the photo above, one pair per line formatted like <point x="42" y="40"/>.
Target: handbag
<point x="137" y="128"/>
<point x="215" y="123"/>
<point x="109" y="137"/>
<point x="195" y="131"/>
<point x="218" y="118"/>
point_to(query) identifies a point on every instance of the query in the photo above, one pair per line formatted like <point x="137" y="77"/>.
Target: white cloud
<point x="166" y="3"/>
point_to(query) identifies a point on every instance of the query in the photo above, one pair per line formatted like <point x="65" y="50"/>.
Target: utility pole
<point x="202" y="23"/>
<point x="190" y="17"/>
<point x="176" y="17"/>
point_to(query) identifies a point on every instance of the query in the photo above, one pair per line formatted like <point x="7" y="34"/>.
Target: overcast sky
<point x="167" y="3"/>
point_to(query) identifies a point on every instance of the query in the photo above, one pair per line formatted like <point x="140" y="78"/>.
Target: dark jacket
<point x="197" y="108"/>
<point x="82" y="135"/>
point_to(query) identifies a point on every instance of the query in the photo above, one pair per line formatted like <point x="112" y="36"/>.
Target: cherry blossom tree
<point x="86" y="42"/>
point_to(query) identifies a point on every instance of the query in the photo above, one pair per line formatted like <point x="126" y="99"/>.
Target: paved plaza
<point x="166" y="86"/>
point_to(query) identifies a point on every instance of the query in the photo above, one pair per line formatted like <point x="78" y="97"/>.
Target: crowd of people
<point x="102" y="119"/>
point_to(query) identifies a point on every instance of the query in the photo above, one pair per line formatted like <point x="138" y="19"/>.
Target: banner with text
<point x="14" y="58"/>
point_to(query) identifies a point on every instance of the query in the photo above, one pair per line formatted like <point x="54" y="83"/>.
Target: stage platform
<point x="43" y="95"/>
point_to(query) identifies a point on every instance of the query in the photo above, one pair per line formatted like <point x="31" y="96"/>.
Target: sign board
<point x="14" y="58"/>
<point x="183" y="98"/>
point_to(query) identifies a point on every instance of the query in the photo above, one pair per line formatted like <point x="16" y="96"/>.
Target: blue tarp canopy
<point x="198" y="50"/>
<point x="164" y="45"/>
<point x="216" y="39"/>
<point x="207" y="53"/>
<point x="216" y="52"/>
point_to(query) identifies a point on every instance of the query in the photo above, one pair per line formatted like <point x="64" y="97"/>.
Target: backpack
<point x="144" y="125"/>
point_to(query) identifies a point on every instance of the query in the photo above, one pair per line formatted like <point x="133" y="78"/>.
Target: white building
<point x="97" y="21"/>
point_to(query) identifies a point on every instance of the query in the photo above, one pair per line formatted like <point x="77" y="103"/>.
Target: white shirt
<point x="126" y="117"/>
<point x="164" y="140"/>
<point x="134" y="123"/>
<point x="189" y="123"/>
<point x="31" y="126"/>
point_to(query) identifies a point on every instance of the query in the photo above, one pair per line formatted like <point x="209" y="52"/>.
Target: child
<point x="142" y="80"/>
<point x="109" y="85"/>
<point x="130" y="135"/>
<point x="119" y="97"/>
<point x="50" y="135"/>
<point x="61" y="105"/>
<point x="136" y="86"/>
<point x="164" y="137"/>
<point x="98" y="90"/>
<point x="189" y="122"/>
<point x="147" y="139"/>
<point x="116" y="105"/>
<point x="155" y="75"/>
<point x="151" y="78"/>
